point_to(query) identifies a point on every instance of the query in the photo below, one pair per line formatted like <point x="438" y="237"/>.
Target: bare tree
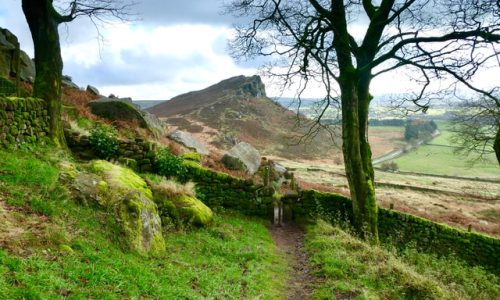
<point x="44" y="19"/>
<point x="476" y="128"/>
<point x="315" y="40"/>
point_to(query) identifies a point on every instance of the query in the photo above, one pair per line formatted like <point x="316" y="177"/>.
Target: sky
<point x="172" y="48"/>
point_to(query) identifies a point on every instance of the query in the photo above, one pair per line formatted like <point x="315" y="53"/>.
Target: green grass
<point x="79" y="256"/>
<point x="353" y="269"/>
<point x="434" y="159"/>
<point x="439" y="157"/>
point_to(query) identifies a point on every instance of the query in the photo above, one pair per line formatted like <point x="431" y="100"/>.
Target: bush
<point x="103" y="141"/>
<point x="169" y="165"/>
<point x="389" y="166"/>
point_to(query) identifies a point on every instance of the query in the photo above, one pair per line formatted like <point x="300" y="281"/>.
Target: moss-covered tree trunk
<point x="43" y="23"/>
<point x="357" y="158"/>
<point x="496" y="144"/>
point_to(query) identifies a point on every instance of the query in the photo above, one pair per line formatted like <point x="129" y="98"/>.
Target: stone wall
<point x="402" y="230"/>
<point x="137" y="154"/>
<point x="22" y="121"/>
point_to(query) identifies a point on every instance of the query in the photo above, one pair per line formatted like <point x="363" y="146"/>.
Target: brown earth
<point x="290" y="241"/>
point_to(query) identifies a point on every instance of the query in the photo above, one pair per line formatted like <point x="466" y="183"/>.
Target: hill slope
<point x="238" y="109"/>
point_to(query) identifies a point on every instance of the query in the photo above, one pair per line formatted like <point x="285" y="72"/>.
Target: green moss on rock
<point x="141" y="224"/>
<point x="178" y="203"/>
<point x="121" y="178"/>
<point x="128" y="194"/>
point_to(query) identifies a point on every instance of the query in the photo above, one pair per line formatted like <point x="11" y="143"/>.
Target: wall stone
<point x="137" y="154"/>
<point x="22" y="121"/>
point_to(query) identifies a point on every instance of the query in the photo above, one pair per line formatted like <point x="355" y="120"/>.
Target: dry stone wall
<point x="22" y="121"/>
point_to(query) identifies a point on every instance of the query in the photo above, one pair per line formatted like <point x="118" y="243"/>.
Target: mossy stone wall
<point x="402" y="229"/>
<point x="218" y="189"/>
<point x="137" y="154"/>
<point x="22" y="121"/>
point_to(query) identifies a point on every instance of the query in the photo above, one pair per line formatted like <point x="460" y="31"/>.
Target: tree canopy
<point x="345" y="44"/>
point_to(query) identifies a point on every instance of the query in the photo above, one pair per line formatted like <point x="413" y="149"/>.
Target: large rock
<point x="125" y="109"/>
<point x="179" y="204"/>
<point x="128" y="195"/>
<point x="242" y="157"/>
<point x="187" y="140"/>
<point x="67" y="81"/>
<point x="8" y="62"/>
<point x="93" y="90"/>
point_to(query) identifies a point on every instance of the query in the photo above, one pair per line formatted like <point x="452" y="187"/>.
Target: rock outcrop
<point x="93" y="90"/>
<point x="125" y="109"/>
<point x="8" y="58"/>
<point x="243" y="157"/>
<point x="187" y="140"/>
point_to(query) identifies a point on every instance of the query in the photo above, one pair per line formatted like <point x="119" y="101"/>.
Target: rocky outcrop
<point x="187" y="140"/>
<point x="8" y="58"/>
<point x="233" y="89"/>
<point x="92" y="90"/>
<point x="67" y="81"/>
<point x="125" y="109"/>
<point x="242" y="157"/>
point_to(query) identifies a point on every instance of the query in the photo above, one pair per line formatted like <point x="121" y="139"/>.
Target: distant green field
<point x="438" y="157"/>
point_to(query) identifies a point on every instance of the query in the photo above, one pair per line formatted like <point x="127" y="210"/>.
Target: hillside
<point x="237" y="109"/>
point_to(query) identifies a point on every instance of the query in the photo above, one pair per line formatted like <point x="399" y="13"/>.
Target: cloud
<point x="175" y="59"/>
<point x="178" y="46"/>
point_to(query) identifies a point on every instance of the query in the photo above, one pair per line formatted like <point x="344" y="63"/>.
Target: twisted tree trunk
<point x="43" y="23"/>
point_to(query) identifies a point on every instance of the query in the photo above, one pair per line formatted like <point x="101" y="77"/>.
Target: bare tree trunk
<point x="43" y="25"/>
<point x="357" y="157"/>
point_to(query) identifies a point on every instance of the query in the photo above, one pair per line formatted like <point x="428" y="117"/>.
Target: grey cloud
<point x="136" y="69"/>
<point x="184" y="11"/>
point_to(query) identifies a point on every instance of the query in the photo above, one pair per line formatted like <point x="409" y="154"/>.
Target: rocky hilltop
<point x="238" y="109"/>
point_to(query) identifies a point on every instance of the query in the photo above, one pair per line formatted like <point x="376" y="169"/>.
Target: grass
<point x="435" y="159"/>
<point x="76" y="252"/>
<point x="439" y="157"/>
<point x="353" y="269"/>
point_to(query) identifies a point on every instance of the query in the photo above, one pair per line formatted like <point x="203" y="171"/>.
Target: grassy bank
<point x="52" y="247"/>
<point x="352" y="269"/>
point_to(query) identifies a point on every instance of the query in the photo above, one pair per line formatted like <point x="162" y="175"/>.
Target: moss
<point x="67" y="171"/>
<point x="65" y="249"/>
<point x="141" y="224"/>
<point x="121" y="178"/>
<point x="102" y="186"/>
<point x="183" y="208"/>
<point x="192" y="156"/>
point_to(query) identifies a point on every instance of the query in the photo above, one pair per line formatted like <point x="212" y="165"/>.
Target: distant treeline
<point x="418" y="129"/>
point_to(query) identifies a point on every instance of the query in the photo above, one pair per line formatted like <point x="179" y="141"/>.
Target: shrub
<point x="389" y="166"/>
<point x="103" y="141"/>
<point x="169" y="165"/>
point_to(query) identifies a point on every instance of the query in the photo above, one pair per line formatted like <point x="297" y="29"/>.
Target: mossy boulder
<point x="178" y="203"/>
<point x="121" y="179"/>
<point x="129" y="196"/>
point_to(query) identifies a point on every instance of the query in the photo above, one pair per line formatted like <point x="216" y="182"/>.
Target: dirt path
<point x="290" y="240"/>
